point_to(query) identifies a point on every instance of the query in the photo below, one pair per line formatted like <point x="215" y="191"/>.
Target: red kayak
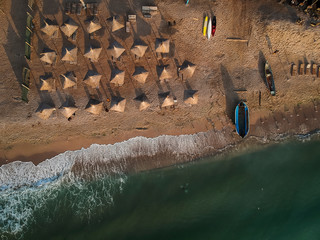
<point x="214" y="24"/>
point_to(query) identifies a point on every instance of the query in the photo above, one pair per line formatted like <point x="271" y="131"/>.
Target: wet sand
<point x="263" y="129"/>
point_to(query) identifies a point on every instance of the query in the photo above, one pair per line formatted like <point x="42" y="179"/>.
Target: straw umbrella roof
<point x="69" y="27"/>
<point x="115" y="49"/>
<point x="116" y="25"/>
<point x="117" y="77"/>
<point x="46" y="84"/>
<point x="68" y="108"/>
<point x="94" y="106"/>
<point x="49" y="27"/>
<point x="118" y="104"/>
<point x="92" y="79"/>
<point x="68" y="80"/>
<point x="144" y="102"/>
<point x="187" y="69"/>
<point x="167" y="99"/>
<point x="44" y="111"/>
<point x="140" y="74"/>
<point x="93" y="25"/>
<point x="164" y="72"/>
<point x="48" y="56"/>
<point x="191" y="96"/>
<point x="69" y="54"/>
<point x="162" y="45"/>
<point x="93" y="53"/>
<point x="139" y="49"/>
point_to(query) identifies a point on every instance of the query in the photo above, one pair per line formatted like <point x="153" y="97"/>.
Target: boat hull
<point x="205" y="26"/>
<point x="269" y="79"/>
<point x="242" y="119"/>
<point x="209" y="31"/>
<point x="214" y="25"/>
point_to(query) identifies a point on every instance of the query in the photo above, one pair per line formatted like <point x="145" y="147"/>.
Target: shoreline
<point x="299" y="121"/>
<point x="38" y="152"/>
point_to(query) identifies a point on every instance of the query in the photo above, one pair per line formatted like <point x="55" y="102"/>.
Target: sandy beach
<point x="226" y="72"/>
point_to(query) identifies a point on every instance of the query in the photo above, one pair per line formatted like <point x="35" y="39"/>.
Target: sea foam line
<point x="18" y="174"/>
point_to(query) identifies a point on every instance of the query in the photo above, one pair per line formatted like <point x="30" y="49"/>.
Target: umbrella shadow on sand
<point x="232" y="98"/>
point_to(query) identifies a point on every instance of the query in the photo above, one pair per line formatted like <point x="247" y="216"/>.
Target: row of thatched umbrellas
<point x="115" y="50"/>
<point x="93" y="78"/>
<point x="118" y="104"/>
<point x="69" y="27"/>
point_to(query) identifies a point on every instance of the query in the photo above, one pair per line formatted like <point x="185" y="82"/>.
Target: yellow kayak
<point x="205" y="24"/>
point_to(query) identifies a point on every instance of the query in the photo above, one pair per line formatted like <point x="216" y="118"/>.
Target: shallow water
<point x="270" y="193"/>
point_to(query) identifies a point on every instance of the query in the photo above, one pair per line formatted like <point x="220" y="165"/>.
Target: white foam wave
<point x="17" y="174"/>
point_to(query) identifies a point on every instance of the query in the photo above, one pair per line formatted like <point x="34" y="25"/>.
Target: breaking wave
<point x="65" y="181"/>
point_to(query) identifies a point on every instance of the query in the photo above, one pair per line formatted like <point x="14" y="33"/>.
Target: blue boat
<point x="242" y="119"/>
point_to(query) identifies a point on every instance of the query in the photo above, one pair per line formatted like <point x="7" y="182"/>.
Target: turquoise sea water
<point x="270" y="193"/>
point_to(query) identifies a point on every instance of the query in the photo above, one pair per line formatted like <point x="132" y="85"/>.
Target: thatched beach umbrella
<point x="50" y="28"/>
<point x="94" y="106"/>
<point x="167" y="99"/>
<point x="68" y="80"/>
<point x="48" y="56"/>
<point x="116" y="25"/>
<point x="115" y="49"/>
<point x="187" y="69"/>
<point x="144" y="102"/>
<point x="44" y="111"/>
<point x="191" y="96"/>
<point x="164" y="72"/>
<point x="162" y="45"/>
<point x="69" y="54"/>
<point x="92" y="79"/>
<point x="68" y="108"/>
<point x="93" y="53"/>
<point x="46" y="84"/>
<point x="93" y="25"/>
<point x="139" y="49"/>
<point x="118" y="104"/>
<point x="117" y="77"/>
<point x="69" y="27"/>
<point x="140" y="74"/>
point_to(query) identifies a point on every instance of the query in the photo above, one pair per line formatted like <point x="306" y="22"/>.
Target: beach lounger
<point x="28" y="35"/>
<point x="137" y="58"/>
<point x="127" y="26"/>
<point x="308" y="69"/>
<point x="74" y="36"/>
<point x="67" y="8"/>
<point x="92" y="9"/>
<point x="314" y="69"/>
<point x="294" y="70"/>
<point x="25" y="84"/>
<point x="95" y="9"/>
<point x="27" y="50"/>
<point x="301" y="69"/>
<point x="73" y="8"/>
<point x="165" y="55"/>
<point x="79" y="8"/>
<point x="30" y="4"/>
<point x="30" y="21"/>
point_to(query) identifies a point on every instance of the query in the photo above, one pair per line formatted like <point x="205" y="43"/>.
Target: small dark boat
<point x="269" y="79"/>
<point x="242" y="119"/>
<point x="214" y="25"/>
